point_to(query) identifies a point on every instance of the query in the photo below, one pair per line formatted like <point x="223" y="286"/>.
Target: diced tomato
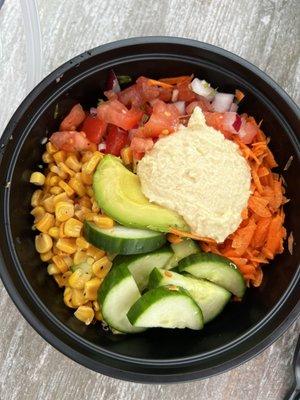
<point x="71" y="141"/>
<point x="202" y="102"/>
<point x="114" y="112"/>
<point x="150" y="92"/>
<point x="163" y="120"/>
<point x="131" y="96"/>
<point x="216" y="120"/>
<point x="115" y="140"/>
<point x="94" y="128"/>
<point x="185" y="92"/>
<point x="248" y="131"/>
<point x="141" y="145"/>
<point x="75" y="117"/>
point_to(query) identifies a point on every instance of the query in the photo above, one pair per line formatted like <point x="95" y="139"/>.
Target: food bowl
<point x="243" y="329"/>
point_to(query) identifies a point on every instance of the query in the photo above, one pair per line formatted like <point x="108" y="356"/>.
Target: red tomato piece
<point x="94" y="128"/>
<point x="185" y="92"/>
<point x="75" y="117"/>
<point x="248" y="131"/>
<point x="216" y="120"/>
<point x="141" y="145"/>
<point x="71" y="141"/>
<point x="163" y="120"/>
<point x="131" y="96"/>
<point x="115" y="140"/>
<point x="114" y="112"/>
<point x="202" y="102"/>
<point x="151" y="92"/>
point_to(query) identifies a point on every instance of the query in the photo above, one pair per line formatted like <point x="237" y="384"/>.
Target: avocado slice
<point x="118" y="193"/>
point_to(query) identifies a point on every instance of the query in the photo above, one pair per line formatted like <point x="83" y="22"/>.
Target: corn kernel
<point x="46" y="256"/>
<point x="65" y="278"/>
<point x="52" y="269"/>
<point x="126" y="155"/>
<point x="53" y="181"/>
<point x="64" y="168"/>
<point x="78" y="279"/>
<point x="37" y="178"/>
<point x="90" y="260"/>
<point x="95" y="207"/>
<point x="85" y="314"/>
<point x="86" y="179"/>
<point x="89" y="216"/>
<point x="82" y="244"/>
<point x="90" y="166"/>
<point x="79" y="257"/>
<point x="38" y="212"/>
<point x="101" y="267"/>
<point x="67" y="188"/>
<point x="49" y="204"/>
<point x="54" y="169"/>
<point x="98" y="315"/>
<point x="91" y="288"/>
<point x="81" y="212"/>
<point x="45" y="223"/>
<point x="55" y="190"/>
<point x="68" y="297"/>
<point x="85" y="201"/>
<point x="73" y="227"/>
<point x="47" y="158"/>
<point x="66" y="245"/>
<point x="87" y="156"/>
<point x="61" y="197"/>
<point x="96" y="306"/>
<point x="68" y="261"/>
<point x="77" y="186"/>
<point x="90" y="191"/>
<point x="54" y="232"/>
<point x="51" y="149"/>
<point x="78" y="298"/>
<point x="59" y="156"/>
<point x="36" y="197"/>
<point x="73" y="163"/>
<point x="60" y="263"/>
<point x="64" y="210"/>
<point x="103" y="221"/>
<point x="95" y="252"/>
<point x="61" y="230"/>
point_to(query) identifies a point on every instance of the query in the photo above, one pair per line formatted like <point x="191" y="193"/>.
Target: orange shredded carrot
<point x="243" y="237"/>
<point x="273" y="237"/>
<point x="177" y="79"/>
<point x="172" y="238"/>
<point x="239" y="95"/>
<point x="257" y="181"/>
<point x="260" y="233"/>
<point x="153" y="82"/>
<point x="259" y="206"/>
<point x="191" y="235"/>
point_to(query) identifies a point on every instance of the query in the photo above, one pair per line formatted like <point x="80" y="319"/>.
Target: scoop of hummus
<point x="201" y="175"/>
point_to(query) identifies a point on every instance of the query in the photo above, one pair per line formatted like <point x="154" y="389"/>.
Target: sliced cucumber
<point x="122" y="240"/>
<point x="116" y="295"/>
<point x="182" y="250"/>
<point x="166" y="307"/>
<point x="216" y="269"/>
<point x="210" y="298"/>
<point x="140" y="265"/>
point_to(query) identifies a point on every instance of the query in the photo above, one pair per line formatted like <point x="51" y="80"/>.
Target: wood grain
<point x="265" y="32"/>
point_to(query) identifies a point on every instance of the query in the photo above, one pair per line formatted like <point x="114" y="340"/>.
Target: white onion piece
<point x="232" y="122"/>
<point x="180" y="105"/>
<point x="93" y="111"/>
<point x="222" y="102"/>
<point x="102" y="146"/>
<point x="234" y="107"/>
<point x="203" y="88"/>
<point x="175" y="94"/>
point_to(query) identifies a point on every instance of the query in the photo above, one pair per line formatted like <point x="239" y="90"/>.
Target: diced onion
<point x="203" y="88"/>
<point x="234" y="107"/>
<point x="222" y="102"/>
<point x="93" y="111"/>
<point x="175" y="94"/>
<point x="180" y="105"/>
<point x="102" y="146"/>
<point x="232" y="122"/>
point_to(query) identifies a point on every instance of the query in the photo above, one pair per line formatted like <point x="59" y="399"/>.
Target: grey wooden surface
<point x="266" y="32"/>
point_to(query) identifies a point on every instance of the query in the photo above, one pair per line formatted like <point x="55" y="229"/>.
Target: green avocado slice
<point x="118" y="193"/>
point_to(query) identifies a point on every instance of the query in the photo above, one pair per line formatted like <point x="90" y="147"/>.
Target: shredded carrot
<point x="191" y="235"/>
<point x="259" y="206"/>
<point x="172" y="238"/>
<point x="153" y="82"/>
<point x="239" y="95"/>
<point x="177" y="79"/>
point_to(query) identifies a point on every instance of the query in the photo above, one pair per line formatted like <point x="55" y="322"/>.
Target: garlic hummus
<point x="201" y="175"/>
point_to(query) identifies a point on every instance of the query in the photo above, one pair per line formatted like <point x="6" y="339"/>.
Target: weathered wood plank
<point x="264" y="32"/>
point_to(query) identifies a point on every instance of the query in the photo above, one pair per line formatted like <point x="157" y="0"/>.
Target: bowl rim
<point x="51" y="338"/>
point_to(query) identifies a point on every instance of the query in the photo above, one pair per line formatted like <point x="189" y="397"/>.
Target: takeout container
<point x="243" y="329"/>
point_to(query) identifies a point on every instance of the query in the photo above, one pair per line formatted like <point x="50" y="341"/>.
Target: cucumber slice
<point x="182" y="250"/>
<point x="210" y="298"/>
<point x="116" y="295"/>
<point x="166" y="307"/>
<point x="122" y="240"/>
<point x="141" y="265"/>
<point x="216" y="269"/>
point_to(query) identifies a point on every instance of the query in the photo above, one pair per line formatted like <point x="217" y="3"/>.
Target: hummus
<point x="201" y="175"/>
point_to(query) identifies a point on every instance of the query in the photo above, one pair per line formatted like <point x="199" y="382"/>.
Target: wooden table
<point x="265" y="32"/>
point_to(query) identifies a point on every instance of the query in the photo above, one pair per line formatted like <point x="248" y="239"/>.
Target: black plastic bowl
<point x="242" y="330"/>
